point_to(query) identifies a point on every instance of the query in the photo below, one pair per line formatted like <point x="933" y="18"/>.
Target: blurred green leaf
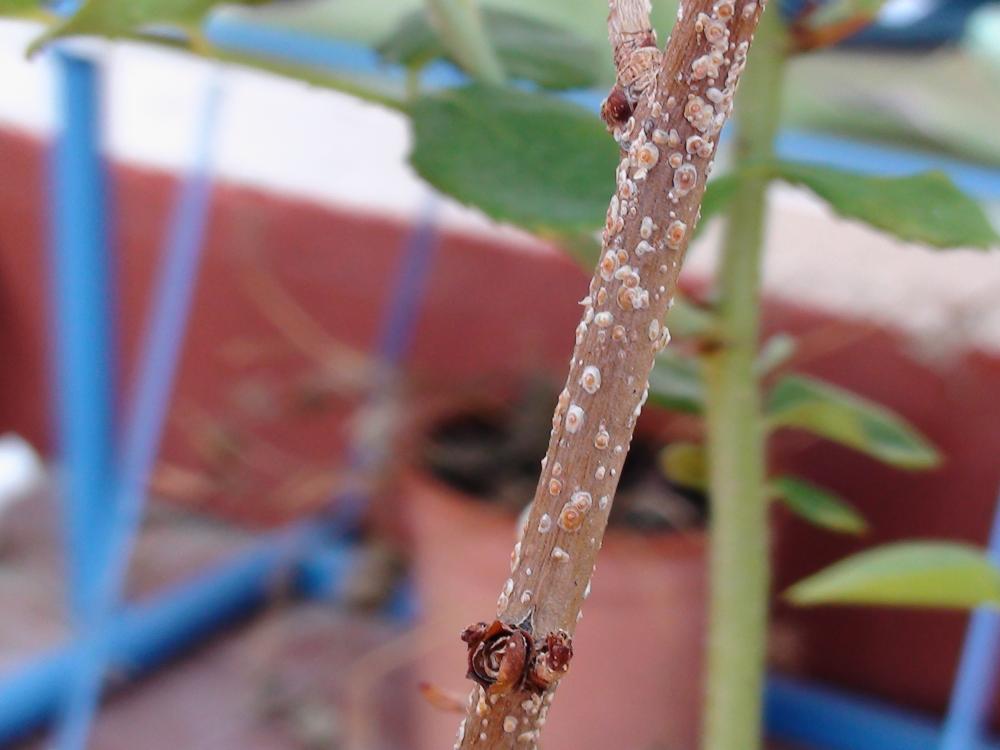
<point x="718" y="195"/>
<point x="685" y="464"/>
<point x="551" y="56"/>
<point x="688" y="320"/>
<point x="676" y="383"/>
<point x="521" y="157"/>
<point x="122" y="18"/>
<point x="815" y="406"/>
<point x="20" y="7"/>
<point x="907" y="574"/>
<point x="777" y="350"/>
<point x="932" y="102"/>
<point x="818" y="506"/>
<point x="925" y="207"/>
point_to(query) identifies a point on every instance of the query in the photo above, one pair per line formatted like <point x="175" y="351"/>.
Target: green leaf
<point x="529" y="48"/>
<point x="685" y="464"/>
<point x="676" y="383"/>
<point x="818" y="506"/>
<point x="906" y="574"/>
<point x="808" y="404"/>
<point x="688" y="320"/>
<point x="870" y="96"/>
<point x="719" y="194"/>
<point x="925" y="207"/>
<point x="521" y="157"/>
<point x="777" y="350"/>
<point x="122" y="18"/>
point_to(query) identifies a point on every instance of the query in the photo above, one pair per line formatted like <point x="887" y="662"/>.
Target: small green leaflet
<point x="906" y="574"/>
<point x="775" y="352"/>
<point x="926" y="207"/>
<point x="804" y="403"/>
<point x="818" y="506"/>
<point x="685" y="464"/>
<point x="676" y="383"/>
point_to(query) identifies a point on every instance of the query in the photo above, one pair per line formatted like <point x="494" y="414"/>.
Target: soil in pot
<point x="635" y="680"/>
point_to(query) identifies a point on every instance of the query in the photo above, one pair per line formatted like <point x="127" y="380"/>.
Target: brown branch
<point x="676" y="102"/>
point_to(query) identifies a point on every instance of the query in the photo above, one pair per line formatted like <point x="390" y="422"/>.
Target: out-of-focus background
<point x="270" y="404"/>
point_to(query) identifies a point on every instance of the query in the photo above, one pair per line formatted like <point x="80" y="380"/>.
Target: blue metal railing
<point x="142" y="428"/>
<point x="84" y="360"/>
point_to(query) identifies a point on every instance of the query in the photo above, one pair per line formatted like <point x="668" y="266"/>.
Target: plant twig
<point x="666" y="111"/>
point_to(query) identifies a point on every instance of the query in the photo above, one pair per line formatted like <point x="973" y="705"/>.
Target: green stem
<point x="461" y="27"/>
<point x="739" y="548"/>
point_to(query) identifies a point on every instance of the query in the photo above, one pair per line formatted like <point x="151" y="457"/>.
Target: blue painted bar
<point x="975" y="688"/>
<point x="827" y="719"/>
<point x="158" y="358"/>
<point x="84" y="360"/>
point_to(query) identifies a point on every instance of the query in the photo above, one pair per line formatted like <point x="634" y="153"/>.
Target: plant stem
<point x="739" y="559"/>
<point x="461" y="27"/>
<point x="666" y="111"/>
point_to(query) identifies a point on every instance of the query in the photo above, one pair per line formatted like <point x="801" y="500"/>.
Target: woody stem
<point x="681" y="98"/>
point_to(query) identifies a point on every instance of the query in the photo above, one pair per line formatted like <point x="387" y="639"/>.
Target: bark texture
<point x="666" y="111"/>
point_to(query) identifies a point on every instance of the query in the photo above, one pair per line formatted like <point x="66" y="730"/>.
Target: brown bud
<point x="474" y="633"/>
<point x="513" y="659"/>
<point x="498" y="654"/>
<point x="616" y="108"/>
<point x="551" y="662"/>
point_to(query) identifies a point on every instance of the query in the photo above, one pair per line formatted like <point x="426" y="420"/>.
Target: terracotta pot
<point x="635" y="680"/>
